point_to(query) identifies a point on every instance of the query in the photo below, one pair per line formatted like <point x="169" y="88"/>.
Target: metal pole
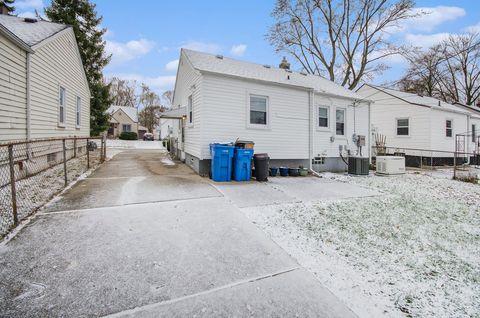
<point x="101" y="150"/>
<point x="88" y="156"/>
<point x="12" y="184"/>
<point x="65" y="162"/>
<point x="104" y="146"/>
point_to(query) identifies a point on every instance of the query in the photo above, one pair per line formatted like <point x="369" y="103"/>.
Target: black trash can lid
<point x="261" y="156"/>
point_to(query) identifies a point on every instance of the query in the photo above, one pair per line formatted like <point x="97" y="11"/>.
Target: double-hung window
<point x="323" y="116"/>
<point x="340" y="122"/>
<point x="126" y="127"/>
<point x="448" y="128"/>
<point x="258" y="110"/>
<point x="78" y="112"/>
<point x="62" y="100"/>
<point x="190" y="109"/>
<point x="403" y="127"/>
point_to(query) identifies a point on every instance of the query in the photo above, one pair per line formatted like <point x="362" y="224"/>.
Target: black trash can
<point x="260" y="160"/>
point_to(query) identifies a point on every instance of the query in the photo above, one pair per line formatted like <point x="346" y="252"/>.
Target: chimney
<point x="284" y="64"/>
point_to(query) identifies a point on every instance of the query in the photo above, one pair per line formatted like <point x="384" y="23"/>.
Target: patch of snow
<point x="167" y="161"/>
<point x="413" y="251"/>
<point x="134" y="144"/>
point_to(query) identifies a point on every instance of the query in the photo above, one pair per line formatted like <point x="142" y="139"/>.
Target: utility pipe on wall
<point x="29" y="116"/>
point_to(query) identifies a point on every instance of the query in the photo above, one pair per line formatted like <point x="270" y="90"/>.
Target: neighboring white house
<point x="410" y="121"/>
<point x="298" y="119"/>
<point x="43" y="88"/>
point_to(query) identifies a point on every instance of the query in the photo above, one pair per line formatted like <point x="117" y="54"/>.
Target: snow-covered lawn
<point x="414" y="251"/>
<point x="134" y="144"/>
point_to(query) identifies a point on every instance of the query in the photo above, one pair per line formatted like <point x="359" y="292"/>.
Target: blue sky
<point x="145" y="36"/>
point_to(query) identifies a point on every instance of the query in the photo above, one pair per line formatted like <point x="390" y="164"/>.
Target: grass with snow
<point x="414" y="251"/>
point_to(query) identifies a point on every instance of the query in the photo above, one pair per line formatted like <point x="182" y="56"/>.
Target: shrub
<point x="128" y="135"/>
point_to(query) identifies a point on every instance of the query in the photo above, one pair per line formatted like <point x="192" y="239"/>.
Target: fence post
<point x="74" y="147"/>
<point x="104" y="146"/>
<point x="65" y="162"/>
<point x="88" y="156"/>
<point x="12" y="184"/>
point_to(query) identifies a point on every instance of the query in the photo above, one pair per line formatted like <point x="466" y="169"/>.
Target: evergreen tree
<point x="82" y="16"/>
<point x="7" y="5"/>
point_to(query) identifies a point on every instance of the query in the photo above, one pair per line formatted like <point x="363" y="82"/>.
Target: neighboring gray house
<point x="43" y="88"/>
<point x="297" y="118"/>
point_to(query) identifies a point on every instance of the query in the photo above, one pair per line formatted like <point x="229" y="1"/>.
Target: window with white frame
<point x="78" y="112"/>
<point x="448" y="128"/>
<point x="340" y="122"/>
<point x="258" y="110"/>
<point x="474" y="133"/>
<point x="403" y="127"/>
<point x="126" y="127"/>
<point x="190" y="109"/>
<point x="323" y="116"/>
<point x="62" y="106"/>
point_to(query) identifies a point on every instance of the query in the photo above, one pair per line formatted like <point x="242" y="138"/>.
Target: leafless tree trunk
<point x="343" y="40"/>
<point x="449" y="71"/>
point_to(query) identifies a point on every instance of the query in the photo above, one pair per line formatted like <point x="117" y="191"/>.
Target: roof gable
<point x="131" y="112"/>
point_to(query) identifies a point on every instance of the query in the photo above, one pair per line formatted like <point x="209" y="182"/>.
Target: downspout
<point x="469" y="140"/>
<point x="310" y="128"/>
<point x="29" y="117"/>
<point x="369" y="145"/>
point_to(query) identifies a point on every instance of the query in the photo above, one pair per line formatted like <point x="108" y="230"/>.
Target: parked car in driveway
<point x="148" y="136"/>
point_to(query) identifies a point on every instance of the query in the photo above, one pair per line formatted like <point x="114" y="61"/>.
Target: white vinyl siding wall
<point x="57" y="64"/>
<point x="189" y="83"/>
<point x="13" y="91"/>
<point x="356" y="121"/>
<point x="226" y="112"/>
<point x="438" y="134"/>
<point x="387" y="109"/>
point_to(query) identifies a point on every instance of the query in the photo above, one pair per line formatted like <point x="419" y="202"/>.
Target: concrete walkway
<point x="144" y="238"/>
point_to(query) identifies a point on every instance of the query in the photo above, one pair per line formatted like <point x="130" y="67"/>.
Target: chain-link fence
<point x="32" y="172"/>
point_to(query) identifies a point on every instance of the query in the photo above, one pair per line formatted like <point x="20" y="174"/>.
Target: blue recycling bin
<point x="242" y="161"/>
<point x="221" y="166"/>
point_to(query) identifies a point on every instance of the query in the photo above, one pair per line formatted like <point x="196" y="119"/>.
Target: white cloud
<point x="473" y="28"/>
<point x="124" y="52"/>
<point x="238" y="50"/>
<point x="212" y="48"/>
<point x="172" y="65"/>
<point x="434" y="17"/>
<point x="426" y="40"/>
<point x="28" y="4"/>
<point x="158" y="84"/>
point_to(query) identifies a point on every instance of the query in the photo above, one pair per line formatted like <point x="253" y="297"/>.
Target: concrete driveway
<point x="144" y="238"/>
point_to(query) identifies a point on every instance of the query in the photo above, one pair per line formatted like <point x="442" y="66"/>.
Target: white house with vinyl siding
<point x="298" y="119"/>
<point x="43" y="88"/>
<point x="411" y="122"/>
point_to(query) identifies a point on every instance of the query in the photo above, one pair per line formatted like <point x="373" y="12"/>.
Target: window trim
<point x="78" y="113"/>
<point x="344" y="122"/>
<point x="62" y="124"/>
<point x="446" y="128"/>
<point x="396" y="127"/>
<point x="258" y="126"/>
<point x="190" y="110"/>
<point x="329" y="115"/>
<point x="123" y="126"/>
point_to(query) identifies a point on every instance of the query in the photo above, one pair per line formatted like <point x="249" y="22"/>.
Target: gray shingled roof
<point x="130" y="111"/>
<point x="416" y="99"/>
<point x="175" y="113"/>
<point x="227" y="66"/>
<point x="27" y="32"/>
